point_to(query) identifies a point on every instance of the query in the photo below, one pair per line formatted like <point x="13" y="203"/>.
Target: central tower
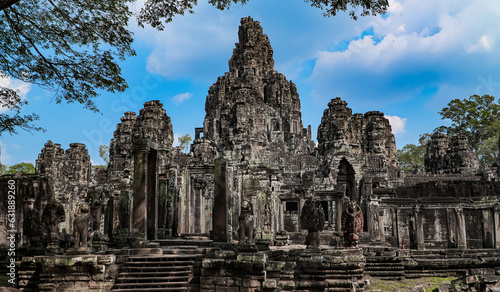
<point x="253" y="109"/>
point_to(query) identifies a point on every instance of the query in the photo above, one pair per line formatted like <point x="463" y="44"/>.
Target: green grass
<point x="429" y="283"/>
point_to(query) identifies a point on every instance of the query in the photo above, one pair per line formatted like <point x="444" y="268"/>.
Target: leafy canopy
<point x="412" y="155"/>
<point x="476" y="117"/>
<point x="25" y="167"/>
<point x="69" y="47"/>
<point x="104" y="153"/>
<point x="184" y="142"/>
<point x="155" y="11"/>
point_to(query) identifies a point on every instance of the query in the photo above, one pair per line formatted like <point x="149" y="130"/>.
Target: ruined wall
<point x="69" y="173"/>
<point x="121" y="162"/>
<point x="450" y="155"/>
<point x="32" y="193"/>
<point x="367" y="138"/>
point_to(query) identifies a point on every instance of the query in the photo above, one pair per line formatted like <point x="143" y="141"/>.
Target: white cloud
<point x="5" y="157"/>
<point x="420" y="43"/>
<point x="397" y="123"/>
<point x="485" y="43"/>
<point x="192" y="45"/>
<point x="180" y="98"/>
<point x="20" y="86"/>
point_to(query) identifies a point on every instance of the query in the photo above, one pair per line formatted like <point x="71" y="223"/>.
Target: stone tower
<point x="253" y="108"/>
<point x="354" y="143"/>
<point x="69" y="173"/>
<point x="121" y="162"/>
<point x="450" y="155"/>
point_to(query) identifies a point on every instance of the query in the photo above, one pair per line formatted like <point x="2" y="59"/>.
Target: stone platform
<point x="282" y="270"/>
<point x="70" y="273"/>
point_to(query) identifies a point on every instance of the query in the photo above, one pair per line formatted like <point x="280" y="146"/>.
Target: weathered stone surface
<point x="352" y="223"/>
<point x="450" y="156"/>
<point x="252" y="108"/>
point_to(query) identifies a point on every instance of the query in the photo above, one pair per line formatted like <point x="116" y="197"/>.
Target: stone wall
<point x="94" y="273"/>
<point x="283" y="270"/>
<point x="450" y="155"/>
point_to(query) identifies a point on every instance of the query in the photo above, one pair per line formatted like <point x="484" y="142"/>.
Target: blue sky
<point x="408" y="64"/>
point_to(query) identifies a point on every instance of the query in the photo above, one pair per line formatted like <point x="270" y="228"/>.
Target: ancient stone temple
<point x="255" y="205"/>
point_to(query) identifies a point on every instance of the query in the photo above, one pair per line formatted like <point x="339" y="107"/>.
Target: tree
<point x="70" y="47"/>
<point x="7" y="3"/>
<point x="184" y="142"/>
<point x="412" y="155"/>
<point x="476" y="117"/>
<point x="155" y="11"/>
<point x="25" y="167"/>
<point x="104" y="153"/>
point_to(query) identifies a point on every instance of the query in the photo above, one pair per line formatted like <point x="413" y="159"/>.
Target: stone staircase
<point x="385" y="267"/>
<point x="166" y="272"/>
<point x="384" y="262"/>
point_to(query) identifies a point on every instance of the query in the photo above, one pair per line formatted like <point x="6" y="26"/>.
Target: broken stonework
<point x="450" y="155"/>
<point x="70" y="172"/>
<point x="252" y="108"/>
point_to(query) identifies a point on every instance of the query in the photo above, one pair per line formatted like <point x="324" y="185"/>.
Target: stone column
<point x="220" y="216"/>
<point x="461" y="232"/>
<point x="419" y="226"/>
<point x="145" y="186"/>
<point x="496" y="226"/>
<point x="373" y="219"/>
<point x="152" y="194"/>
<point x="139" y="215"/>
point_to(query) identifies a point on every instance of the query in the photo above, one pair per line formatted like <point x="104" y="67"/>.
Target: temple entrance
<point x="346" y="180"/>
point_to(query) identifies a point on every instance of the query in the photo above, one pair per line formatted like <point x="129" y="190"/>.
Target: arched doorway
<point x="346" y="180"/>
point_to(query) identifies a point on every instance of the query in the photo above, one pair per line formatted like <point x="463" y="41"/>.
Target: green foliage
<point x="67" y="46"/>
<point x="104" y="153"/>
<point x="155" y="11"/>
<point x="184" y="142"/>
<point x="476" y="117"/>
<point x="488" y="152"/>
<point x="429" y="284"/>
<point x="412" y="155"/>
<point x="25" y="167"/>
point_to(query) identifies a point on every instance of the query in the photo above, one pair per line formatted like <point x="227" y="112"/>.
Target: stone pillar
<point x="139" y="215"/>
<point x="282" y="215"/>
<point x="373" y="219"/>
<point x="145" y="188"/>
<point x="220" y="216"/>
<point x="152" y="194"/>
<point x="419" y="226"/>
<point x="496" y="226"/>
<point x="461" y="232"/>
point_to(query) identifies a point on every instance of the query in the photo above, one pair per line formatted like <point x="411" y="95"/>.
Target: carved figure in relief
<point x="352" y="223"/>
<point x="52" y="215"/>
<point x="312" y="218"/>
<point x="81" y="225"/>
<point x="246" y="221"/>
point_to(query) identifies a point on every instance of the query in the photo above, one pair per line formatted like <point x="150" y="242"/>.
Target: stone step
<point x="378" y="264"/>
<point x="170" y="269"/>
<point x="162" y="263"/>
<point x="149" y="289"/>
<point x="139" y="277"/>
<point x="385" y="273"/>
<point x="152" y="281"/>
<point x="164" y="257"/>
<point x="165" y="272"/>
<point x="186" y="272"/>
